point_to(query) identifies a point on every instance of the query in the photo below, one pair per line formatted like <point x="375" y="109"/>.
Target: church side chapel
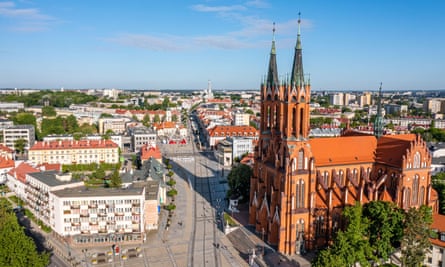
<point x="300" y="186"/>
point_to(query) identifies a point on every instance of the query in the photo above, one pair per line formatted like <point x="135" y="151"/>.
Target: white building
<point x="13" y="133"/>
<point x="98" y="215"/>
<point x="241" y="118"/>
<point x="74" y="152"/>
<point x="241" y="146"/>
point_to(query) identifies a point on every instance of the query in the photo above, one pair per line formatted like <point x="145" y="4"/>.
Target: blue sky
<point x="183" y="44"/>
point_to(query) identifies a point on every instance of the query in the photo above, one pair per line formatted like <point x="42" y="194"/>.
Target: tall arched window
<point x="300" y="194"/>
<point x="300" y="159"/>
<point x="355" y="174"/>
<point x="326" y="178"/>
<point x="268" y="117"/>
<point x="415" y="190"/>
<point x="422" y="195"/>
<point x="294" y="121"/>
<point x="341" y="176"/>
<point x="416" y="163"/>
<point x="301" y="121"/>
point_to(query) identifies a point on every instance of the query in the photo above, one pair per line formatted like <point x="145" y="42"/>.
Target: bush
<point x="170" y="207"/>
<point x="172" y="192"/>
<point x="171" y="182"/>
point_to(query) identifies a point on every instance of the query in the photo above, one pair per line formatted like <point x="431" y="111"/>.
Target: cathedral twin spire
<point x="297" y="75"/>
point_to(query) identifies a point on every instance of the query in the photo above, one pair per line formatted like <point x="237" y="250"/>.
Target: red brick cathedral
<point x="300" y="186"/>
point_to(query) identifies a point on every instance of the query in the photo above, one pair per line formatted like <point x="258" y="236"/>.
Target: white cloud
<point x="253" y="32"/>
<point x="25" y="19"/>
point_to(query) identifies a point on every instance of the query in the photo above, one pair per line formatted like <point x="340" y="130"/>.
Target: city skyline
<point x="347" y="45"/>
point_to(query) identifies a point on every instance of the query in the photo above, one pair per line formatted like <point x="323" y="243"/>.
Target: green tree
<point x="438" y="183"/>
<point x="415" y="241"/>
<point x="385" y="227"/>
<point x="24" y="118"/>
<point x="115" y="180"/>
<point x="174" y="118"/>
<point x="350" y="246"/>
<point x="156" y="118"/>
<point x="17" y="249"/>
<point x="49" y="111"/>
<point x="20" y="145"/>
<point x="239" y="181"/>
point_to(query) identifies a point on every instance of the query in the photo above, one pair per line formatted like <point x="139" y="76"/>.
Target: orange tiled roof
<point x="69" y="144"/>
<point x="6" y="162"/>
<point x="438" y="224"/>
<point x="5" y="148"/>
<point x="148" y="152"/>
<point x="164" y="125"/>
<point x="51" y="167"/>
<point x="391" y="148"/>
<point x="20" y="171"/>
<point x="343" y="150"/>
<point x="232" y="130"/>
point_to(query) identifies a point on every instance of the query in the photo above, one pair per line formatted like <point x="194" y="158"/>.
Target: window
<point x="415" y="190"/>
<point x="300" y="159"/>
<point x="416" y="163"/>
<point x="300" y="194"/>
<point x="341" y="177"/>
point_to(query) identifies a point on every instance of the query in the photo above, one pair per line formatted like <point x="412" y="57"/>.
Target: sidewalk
<point x="271" y="257"/>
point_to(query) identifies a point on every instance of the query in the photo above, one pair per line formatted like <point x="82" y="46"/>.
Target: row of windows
<point x="100" y="202"/>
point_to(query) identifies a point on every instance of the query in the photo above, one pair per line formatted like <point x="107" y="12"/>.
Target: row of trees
<point x="17" y="248"/>
<point x="55" y="99"/>
<point x="374" y="231"/>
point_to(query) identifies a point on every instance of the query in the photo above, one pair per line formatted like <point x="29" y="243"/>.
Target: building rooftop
<point x="83" y="191"/>
<point x="53" y="178"/>
<point x="70" y="144"/>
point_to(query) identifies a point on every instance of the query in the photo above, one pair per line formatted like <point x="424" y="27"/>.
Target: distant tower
<point x="209" y="90"/>
<point x="378" y="123"/>
<point x="61" y="89"/>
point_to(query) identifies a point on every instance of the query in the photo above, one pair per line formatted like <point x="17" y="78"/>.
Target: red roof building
<point x="74" y="152"/>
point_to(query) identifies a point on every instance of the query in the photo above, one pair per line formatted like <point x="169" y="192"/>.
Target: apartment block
<point x="13" y="133"/>
<point x="72" y="152"/>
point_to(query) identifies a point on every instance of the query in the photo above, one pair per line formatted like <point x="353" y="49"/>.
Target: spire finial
<point x="299" y="22"/>
<point x="273" y="31"/>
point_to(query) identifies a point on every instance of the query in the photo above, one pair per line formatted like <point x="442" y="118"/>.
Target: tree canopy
<point x="17" y="249"/>
<point x="374" y="231"/>
<point x="239" y="181"/>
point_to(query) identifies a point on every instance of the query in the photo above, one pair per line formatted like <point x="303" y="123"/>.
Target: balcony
<point x="75" y="206"/>
<point x="94" y="223"/>
<point x="135" y="204"/>
<point x="75" y="223"/>
<point x="92" y="205"/>
<point x="84" y="215"/>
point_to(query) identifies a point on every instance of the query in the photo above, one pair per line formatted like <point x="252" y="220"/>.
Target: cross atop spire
<point x="299" y="22"/>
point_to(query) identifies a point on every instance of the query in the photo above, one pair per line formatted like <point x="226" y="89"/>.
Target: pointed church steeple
<point x="297" y="76"/>
<point x="272" y="75"/>
<point x="378" y="123"/>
